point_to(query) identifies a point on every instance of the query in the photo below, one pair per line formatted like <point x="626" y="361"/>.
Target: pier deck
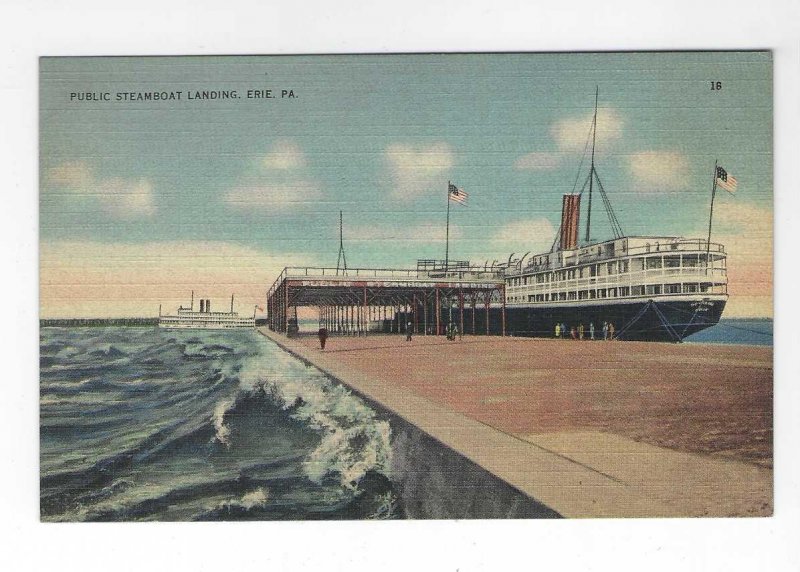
<point x="591" y="429"/>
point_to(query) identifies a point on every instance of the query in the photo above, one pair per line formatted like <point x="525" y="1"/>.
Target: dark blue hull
<point x="643" y="320"/>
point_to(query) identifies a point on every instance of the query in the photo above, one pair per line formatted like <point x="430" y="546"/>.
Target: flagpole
<point x="447" y="232"/>
<point x="710" y="215"/>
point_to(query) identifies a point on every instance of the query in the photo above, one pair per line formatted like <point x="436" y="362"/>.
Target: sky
<point x="143" y="201"/>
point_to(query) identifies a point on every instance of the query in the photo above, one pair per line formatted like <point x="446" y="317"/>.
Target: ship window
<point x="525" y="281"/>
<point x="654" y="289"/>
<point x="572" y="295"/>
<point x="562" y="295"/>
<point x="673" y="288"/>
<point x="690" y="288"/>
<point x="672" y="261"/>
<point x="690" y="260"/>
<point x="637" y="290"/>
<point x="583" y="294"/>
<point x="704" y="287"/>
<point x="601" y="293"/>
<point x="592" y="294"/>
<point x="610" y="267"/>
<point x="625" y="291"/>
<point x="612" y="292"/>
<point x="593" y="270"/>
<point x="654" y="262"/>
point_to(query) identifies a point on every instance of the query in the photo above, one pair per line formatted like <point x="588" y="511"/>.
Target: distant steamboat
<point x="649" y="287"/>
<point x="205" y="319"/>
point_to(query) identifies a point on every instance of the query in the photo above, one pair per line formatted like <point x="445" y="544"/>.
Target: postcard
<point x="410" y="286"/>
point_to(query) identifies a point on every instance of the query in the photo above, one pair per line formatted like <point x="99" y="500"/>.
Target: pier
<point x="589" y="429"/>
<point x="358" y="301"/>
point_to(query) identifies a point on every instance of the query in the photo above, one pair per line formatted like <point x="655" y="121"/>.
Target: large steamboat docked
<point x="649" y="287"/>
<point x="205" y="319"/>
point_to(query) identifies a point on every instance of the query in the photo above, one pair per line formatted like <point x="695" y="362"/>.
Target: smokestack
<point x="570" y="211"/>
<point x="208" y="305"/>
<point x="202" y="305"/>
<point x="231" y="303"/>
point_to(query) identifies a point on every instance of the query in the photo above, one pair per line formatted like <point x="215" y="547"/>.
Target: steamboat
<point x="205" y="319"/>
<point x="660" y="288"/>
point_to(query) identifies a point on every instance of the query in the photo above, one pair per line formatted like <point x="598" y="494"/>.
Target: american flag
<point x="456" y="194"/>
<point x="725" y="181"/>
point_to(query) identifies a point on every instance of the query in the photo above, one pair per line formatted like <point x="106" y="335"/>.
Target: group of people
<point x="580" y="332"/>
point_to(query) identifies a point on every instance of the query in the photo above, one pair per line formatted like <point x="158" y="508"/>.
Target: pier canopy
<point x="362" y="300"/>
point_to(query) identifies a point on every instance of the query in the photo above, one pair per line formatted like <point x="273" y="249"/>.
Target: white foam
<point x="222" y="432"/>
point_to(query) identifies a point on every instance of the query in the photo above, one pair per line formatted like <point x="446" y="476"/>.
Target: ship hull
<point x="213" y="327"/>
<point x="644" y="320"/>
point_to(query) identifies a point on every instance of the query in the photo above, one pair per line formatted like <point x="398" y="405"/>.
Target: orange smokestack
<point x="570" y="210"/>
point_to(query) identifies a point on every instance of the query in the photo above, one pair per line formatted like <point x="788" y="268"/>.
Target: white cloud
<point x="118" y="197"/>
<point x="416" y="170"/>
<point x="273" y="197"/>
<point x="87" y="278"/>
<point x="537" y="161"/>
<point x="284" y="155"/>
<point x="72" y="175"/>
<point x="746" y="231"/>
<point x="659" y="170"/>
<point x="571" y="134"/>
<point x="524" y="235"/>
<point x="125" y="198"/>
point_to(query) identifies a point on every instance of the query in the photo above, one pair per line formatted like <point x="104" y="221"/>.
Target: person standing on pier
<point x="323" y="337"/>
<point x="605" y="330"/>
<point x="408" y="332"/>
<point x="591" y="331"/>
<point x="611" y="330"/>
<point x="558" y="330"/>
<point x="580" y="331"/>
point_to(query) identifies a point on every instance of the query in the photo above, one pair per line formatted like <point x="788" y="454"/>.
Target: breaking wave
<point x="143" y="424"/>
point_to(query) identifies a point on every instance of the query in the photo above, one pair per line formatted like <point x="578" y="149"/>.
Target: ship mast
<point x="591" y="169"/>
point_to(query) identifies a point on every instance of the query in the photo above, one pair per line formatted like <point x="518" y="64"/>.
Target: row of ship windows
<point x="614" y="267"/>
<point x="621" y="292"/>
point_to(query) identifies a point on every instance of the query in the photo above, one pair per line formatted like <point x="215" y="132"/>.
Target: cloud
<point x="524" y="235"/>
<point x="570" y="133"/>
<point x="746" y="231"/>
<point x="537" y="161"/>
<point x="284" y="155"/>
<point x="278" y="184"/>
<point x="282" y="197"/>
<point x="72" y="175"/>
<point x="118" y="197"/>
<point x="416" y="170"/>
<point x="659" y="170"/>
<point x="89" y="278"/>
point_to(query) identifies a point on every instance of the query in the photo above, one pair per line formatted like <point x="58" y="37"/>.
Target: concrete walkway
<point x="577" y="473"/>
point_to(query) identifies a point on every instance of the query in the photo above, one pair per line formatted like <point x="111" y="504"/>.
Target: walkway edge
<point x="571" y="489"/>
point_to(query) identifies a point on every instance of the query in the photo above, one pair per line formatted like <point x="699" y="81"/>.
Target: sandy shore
<point x="588" y="428"/>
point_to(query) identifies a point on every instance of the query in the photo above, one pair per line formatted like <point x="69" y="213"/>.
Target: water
<point x="147" y="424"/>
<point x="750" y="331"/>
<point x="139" y="423"/>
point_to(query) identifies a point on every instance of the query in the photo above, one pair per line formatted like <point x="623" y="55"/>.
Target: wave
<point x="353" y="441"/>
<point x="141" y="424"/>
